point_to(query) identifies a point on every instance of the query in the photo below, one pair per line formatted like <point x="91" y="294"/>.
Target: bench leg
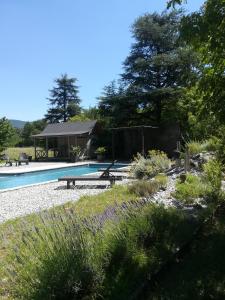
<point x="112" y="182"/>
<point x="68" y="185"/>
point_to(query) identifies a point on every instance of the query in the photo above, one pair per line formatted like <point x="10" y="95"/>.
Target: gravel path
<point x="23" y="201"/>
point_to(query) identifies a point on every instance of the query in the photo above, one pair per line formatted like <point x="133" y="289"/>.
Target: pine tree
<point x="64" y="100"/>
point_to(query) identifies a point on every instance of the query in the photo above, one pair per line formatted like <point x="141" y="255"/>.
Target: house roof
<point x="68" y="128"/>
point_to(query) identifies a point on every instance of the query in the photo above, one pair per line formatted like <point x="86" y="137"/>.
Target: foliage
<point x="6" y="133"/>
<point x="138" y="246"/>
<point x="144" y="188"/>
<point x="162" y="180"/>
<point x="91" y="113"/>
<point x="199" y="272"/>
<point x="100" y="150"/>
<point x="156" y="162"/>
<point x="75" y="151"/>
<point x="191" y="189"/>
<point x="29" y="129"/>
<point x="117" y="106"/>
<point x="53" y="261"/>
<point x="213" y="176"/>
<point x="174" y="2"/>
<point x="156" y="72"/>
<point x="205" y="31"/>
<point x="65" y="257"/>
<point x="220" y="146"/>
<point x="196" y="147"/>
<point x="64" y="100"/>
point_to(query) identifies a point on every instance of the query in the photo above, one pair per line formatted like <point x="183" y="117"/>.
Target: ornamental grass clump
<point x="144" y="188"/>
<point x="156" y="162"/>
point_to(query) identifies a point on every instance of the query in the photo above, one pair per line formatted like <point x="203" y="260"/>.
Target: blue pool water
<point x="12" y="181"/>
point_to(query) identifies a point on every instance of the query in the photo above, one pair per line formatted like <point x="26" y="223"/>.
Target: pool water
<point x="13" y="181"/>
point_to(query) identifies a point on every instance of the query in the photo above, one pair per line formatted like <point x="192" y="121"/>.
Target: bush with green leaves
<point x="139" y="245"/>
<point x="144" y="188"/>
<point x="156" y="162"/>
<point x="191" y="189"/>
<point x="213" y="176"/>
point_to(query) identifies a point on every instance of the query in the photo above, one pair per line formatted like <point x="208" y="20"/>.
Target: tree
<point x="160" y="65"/>
<point x="87" y="114"/>
<point x="204" y="30"/>
<point x="6" y="132"/>
<point x="31" y="128"/>
<point x="64" y="100"/>
<point x="117" y="106"/>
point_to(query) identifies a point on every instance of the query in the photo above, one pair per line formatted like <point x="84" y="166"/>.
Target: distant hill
<point x="17" y="123"/>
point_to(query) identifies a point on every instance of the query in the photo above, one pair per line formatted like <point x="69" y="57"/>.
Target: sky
<point x="42" y="39"/>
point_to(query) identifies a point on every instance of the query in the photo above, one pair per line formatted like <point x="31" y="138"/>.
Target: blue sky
<point x="41" y="39"/>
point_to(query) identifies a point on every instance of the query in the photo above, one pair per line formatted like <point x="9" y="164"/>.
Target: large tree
<point x="204" y="30"/>
<point x="64" y="100"/>
<point x="156" y="72"/>
<point x="160" y="65"/>
<point x="118" y="106"/>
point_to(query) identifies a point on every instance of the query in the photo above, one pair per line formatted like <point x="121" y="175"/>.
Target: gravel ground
<point x="23" y="201"/>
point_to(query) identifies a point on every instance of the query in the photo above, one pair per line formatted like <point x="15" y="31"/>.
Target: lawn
<point x="14" y="152"/>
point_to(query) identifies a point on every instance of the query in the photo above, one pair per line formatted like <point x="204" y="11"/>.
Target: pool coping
<point x="46" y="168"/>
<point x="55" y="180"/>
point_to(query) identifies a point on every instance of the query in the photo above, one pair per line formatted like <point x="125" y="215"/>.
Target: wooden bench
<point x="73" y="179"/>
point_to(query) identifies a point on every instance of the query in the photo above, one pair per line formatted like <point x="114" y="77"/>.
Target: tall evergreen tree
<point x="160" y="65"/>
<point x="117" y="106"/>
<point x="156" y="72"/>
<point x="64" y="100"/>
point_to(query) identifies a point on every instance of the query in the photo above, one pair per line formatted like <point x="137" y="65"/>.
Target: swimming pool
<point x="14" y="181"/>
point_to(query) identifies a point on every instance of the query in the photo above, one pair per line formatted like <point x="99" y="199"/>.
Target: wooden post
<point x="143" y="140"/>
<point x="113" y="145"/>
<point x="35" y="154"/>
<point x="46" y="146"/>
<point x="187" y="161"/>
<point x="68" y="145"/>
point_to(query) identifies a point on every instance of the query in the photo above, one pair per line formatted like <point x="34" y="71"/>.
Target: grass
<point x="14" y="152"/>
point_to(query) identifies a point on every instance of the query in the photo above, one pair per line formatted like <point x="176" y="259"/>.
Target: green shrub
<point x="139" y="245"/>
<point x="54" y="261"/>
<point x="156" y="162"/>
<point x="162" y="179"/>
<point x="191" y="189"/>
<point x="144" y="188"/>
<point x="194" y="147"/>
<point x="213" y="176"/>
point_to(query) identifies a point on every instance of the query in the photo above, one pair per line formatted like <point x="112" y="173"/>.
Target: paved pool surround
<point x="39" y="166"/>
<point x="22" y="201"/>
